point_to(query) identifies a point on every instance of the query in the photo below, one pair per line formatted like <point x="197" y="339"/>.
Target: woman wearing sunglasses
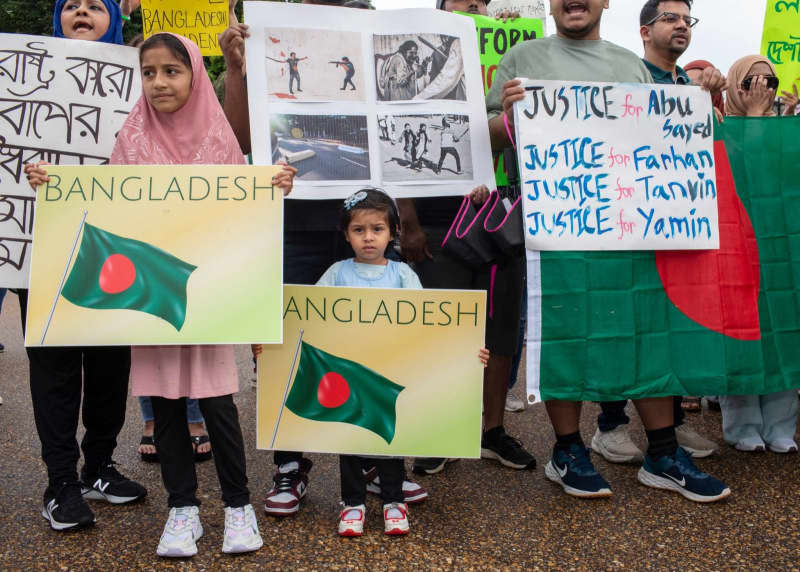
<point x="752" y="86"/>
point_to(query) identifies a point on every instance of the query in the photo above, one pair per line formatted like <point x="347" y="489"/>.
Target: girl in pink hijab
<point x="178" y="120"/>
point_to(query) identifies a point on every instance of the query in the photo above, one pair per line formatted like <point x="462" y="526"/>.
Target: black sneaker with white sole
<point x="63" y="506"/>
<point x="110" y="485"/>
<point x="499" y="445"/>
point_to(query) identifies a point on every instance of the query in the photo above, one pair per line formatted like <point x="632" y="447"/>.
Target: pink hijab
<point x="197" y="133"/>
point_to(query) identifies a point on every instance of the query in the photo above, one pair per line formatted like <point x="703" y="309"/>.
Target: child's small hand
<point x="36" y="174"/>
<point x="484" y="356"/>
<point x="257" y="349"/>
<point x="478" y="195"/>
<point x="285" y="179"/>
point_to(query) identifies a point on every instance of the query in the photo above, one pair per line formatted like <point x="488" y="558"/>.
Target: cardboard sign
<point x="374" y="372"/>
<point x="202" y="21"/>
<point x="607" y="166"/>
<point x="61" y="101"/>
<point x="525" y="8"/>
<point x="156" y="255"/>
<point x="781" y="40"/>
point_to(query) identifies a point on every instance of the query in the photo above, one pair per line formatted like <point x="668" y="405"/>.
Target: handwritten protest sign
<point x="781" y="40"/>
<point x="495" y="38"/>
<point x="168" y="254"/>
<point x="525" y="8"/>
<point x="355" y="98"/>
<point x="348" y="387"/>
<point x="61" y="101"/>
<point x="616" y="166"/>
<point x="199" y="20"/>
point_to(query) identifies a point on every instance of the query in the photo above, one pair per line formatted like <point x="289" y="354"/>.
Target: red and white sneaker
<point x="291" y="484"/>
<point x="395" y="518"/>
<point x="412" y="492"/>
<point x="351" y="520"/>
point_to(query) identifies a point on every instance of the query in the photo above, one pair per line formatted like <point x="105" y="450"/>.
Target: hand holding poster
<point x="141" y="255"/>
<point x="61" y="101"/>
<point x="368" y="371"/>
<point x="202" y="21"/>
<point x="616" y="167"/>
<point x="781" y="40"/>
<point x="525" y="8"/>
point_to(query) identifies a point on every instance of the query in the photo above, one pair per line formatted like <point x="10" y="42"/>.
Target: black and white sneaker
<point x="110" y="485"/>
<point x="499" y="445"/>
<point x="63" y="506"/>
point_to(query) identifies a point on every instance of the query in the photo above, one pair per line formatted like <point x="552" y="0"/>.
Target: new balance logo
<point x="52" y="506"/>
<point x="100" y="485"/>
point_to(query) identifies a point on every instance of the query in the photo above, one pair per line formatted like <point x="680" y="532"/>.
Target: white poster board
<point x="608" y="166"/>
<point x="63" y="102"/>
<point x="356" y="98"/>
<point x="525" y="8"/>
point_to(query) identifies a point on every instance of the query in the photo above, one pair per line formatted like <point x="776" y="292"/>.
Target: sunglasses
<point x="672" y="18"/>
<point x="772" y="82"/>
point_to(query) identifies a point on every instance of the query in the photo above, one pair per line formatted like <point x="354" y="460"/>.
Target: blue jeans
<point x="193" y="414"/>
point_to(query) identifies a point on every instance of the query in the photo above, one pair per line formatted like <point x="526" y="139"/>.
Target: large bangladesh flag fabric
<point x="114" y="272"/>
<point x="329" y="388"/>
<point x="612" y="325"/>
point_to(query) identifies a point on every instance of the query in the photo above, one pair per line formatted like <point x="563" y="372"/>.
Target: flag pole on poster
<point x="286" y="390"/>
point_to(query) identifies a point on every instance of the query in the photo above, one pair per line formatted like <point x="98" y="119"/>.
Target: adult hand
<point x="478" y="195"/>
<point x="790" y="100"/>
<point x="231" y="42"/>
<point x="759" y="99"/>
<point x="284" y="180"/>
<point x="712" y="80"/>
<point x="414" y="244"/>
<point x="512" y="93"/>
<point x="128" y="7"/>
<point x="506" y="15"/>
<point x="36" y="174"/>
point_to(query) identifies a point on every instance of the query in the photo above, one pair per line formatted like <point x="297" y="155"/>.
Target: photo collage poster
<point x="356" y="98"/>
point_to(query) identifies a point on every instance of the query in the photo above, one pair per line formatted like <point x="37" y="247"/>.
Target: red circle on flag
<point x="333" y="390"/>
<point x="117" y="274"/>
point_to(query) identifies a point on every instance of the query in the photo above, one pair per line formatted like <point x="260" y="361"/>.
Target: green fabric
<point x="570" y="60"/>
<point x="159" y="287"/>
<point x="666" y="77"/>
<point x="372" y="399"/>
<point x="609" y="331"/>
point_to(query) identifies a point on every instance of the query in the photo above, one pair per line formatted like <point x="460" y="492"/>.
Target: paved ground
<point x="479" y="516"/>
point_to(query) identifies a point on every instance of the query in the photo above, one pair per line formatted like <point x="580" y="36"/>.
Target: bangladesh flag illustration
<point x="329" y="388"/>
<point x="615" y="325"/>
<point x="114" y="272"/>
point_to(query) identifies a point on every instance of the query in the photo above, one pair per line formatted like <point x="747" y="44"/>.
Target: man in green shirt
<point x="576" y="53"/>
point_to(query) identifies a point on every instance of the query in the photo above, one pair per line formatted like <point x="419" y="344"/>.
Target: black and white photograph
<point x="419" y="67"/>
<point x="322" y="147"/>
<point x="309" y="64"/>
<point x="429" y="147"/>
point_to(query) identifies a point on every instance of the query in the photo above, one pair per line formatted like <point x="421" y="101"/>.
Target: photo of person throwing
<point x="349" y="72"/>
<point x="447" y="141"/>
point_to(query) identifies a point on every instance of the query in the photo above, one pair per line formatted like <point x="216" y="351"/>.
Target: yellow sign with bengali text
<point x="199" y="20"/>
<point x="781" y="40"/>
<point x="156" y="255"/>
<point x="375" y="372"/>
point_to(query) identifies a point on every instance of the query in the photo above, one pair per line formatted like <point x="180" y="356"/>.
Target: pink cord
<point x="508" y="130"/>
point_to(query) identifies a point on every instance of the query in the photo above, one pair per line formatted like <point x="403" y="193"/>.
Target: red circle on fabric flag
<point x="117" y="274"/>
<point x="333" y="390"/>
<point x="719" y="289"/>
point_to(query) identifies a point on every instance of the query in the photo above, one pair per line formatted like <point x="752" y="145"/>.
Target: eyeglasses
<point x="772" y="82"/>
<point x="672" y="19"/>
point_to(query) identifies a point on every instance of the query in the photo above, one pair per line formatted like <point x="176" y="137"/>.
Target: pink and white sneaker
<point x="351" y="520"/>
<point x="413" y="493"/>
<point x="395" y="518"/>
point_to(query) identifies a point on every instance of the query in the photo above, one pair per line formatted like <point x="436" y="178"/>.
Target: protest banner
<point x="166" y="254"/>
<point x="366" y="371"/>
<point x="495" y="38"/>
<point x="525" y="8"/>
<point x="367" y="97"/>
<point x="61" y="101"/>
<point x="780" y="41"/>
<point x="700" y="322"/>
<point x="608" y="166"/>
<point x="202" y="21"/>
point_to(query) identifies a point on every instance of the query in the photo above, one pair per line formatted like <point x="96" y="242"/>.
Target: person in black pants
<point x="61" y="379"/>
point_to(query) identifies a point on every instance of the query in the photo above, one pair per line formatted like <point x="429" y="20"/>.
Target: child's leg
<point x="175" y="451"/>
<point x="354" y="489"/>
<point x="391" y="471"/>
<point x="222" y="423"/>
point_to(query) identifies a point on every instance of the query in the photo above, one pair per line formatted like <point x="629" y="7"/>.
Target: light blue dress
<point x="356" y="274"/>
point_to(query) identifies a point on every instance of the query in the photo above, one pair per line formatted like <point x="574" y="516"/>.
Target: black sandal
<point x="148" y="457"/>
<point x="198" y="440"/>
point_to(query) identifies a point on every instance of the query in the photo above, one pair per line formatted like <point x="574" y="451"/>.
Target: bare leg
<point x="655" y="412"/>
<point x="495" y="386"/>
<point x="564" y="415"/>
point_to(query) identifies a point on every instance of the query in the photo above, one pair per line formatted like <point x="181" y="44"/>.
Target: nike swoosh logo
<point x="561" y="472"/>
<point x="682" y="482"/>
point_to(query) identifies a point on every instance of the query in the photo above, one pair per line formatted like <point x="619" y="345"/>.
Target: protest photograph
<point x="419" y="67"/>
<point x="307" y="64"/>
<point x="322" y="147"/>
<point x="425" y="147"/>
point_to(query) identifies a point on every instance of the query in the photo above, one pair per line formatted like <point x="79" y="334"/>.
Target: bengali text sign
<point x="608" y="166"/>
<point x="199" y="20"/>
<point x="781" y="40"/>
